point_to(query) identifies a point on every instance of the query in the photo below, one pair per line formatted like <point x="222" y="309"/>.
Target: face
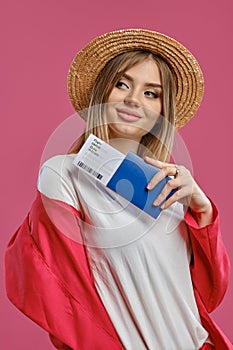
<point x="135" y="102"/>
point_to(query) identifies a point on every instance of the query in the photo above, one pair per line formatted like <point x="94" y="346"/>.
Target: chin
<point x="126" y="131"/>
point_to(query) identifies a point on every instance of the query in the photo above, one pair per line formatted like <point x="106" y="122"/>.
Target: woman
<point x="85" y="264"/>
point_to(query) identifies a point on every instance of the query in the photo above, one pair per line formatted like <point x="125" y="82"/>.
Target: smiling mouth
<point x="127" y="115"/>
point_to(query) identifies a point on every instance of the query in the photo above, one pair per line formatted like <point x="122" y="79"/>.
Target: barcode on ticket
<point x="90" y="170"/>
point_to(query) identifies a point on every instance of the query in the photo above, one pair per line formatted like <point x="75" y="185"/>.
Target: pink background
<point x="39" y="40"/>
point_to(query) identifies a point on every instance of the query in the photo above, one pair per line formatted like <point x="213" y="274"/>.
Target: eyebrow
<point x="156" y="85"/>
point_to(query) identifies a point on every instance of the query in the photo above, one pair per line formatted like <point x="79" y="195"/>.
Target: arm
<point x="48" y="276"/>
<point x="210" y="267"/>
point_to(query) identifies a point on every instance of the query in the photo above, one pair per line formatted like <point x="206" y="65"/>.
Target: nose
<point x="132" y="99"/>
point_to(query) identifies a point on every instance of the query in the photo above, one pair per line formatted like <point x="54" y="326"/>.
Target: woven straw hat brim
<point x="91" y="59"/>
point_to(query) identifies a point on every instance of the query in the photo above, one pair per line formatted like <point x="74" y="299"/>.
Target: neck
<point x="124" y="145"/>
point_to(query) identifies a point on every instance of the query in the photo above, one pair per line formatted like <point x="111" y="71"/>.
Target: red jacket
<point x="49" y="279"/>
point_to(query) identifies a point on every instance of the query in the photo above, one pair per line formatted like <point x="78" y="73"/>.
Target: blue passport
<point x="130" y="181"/>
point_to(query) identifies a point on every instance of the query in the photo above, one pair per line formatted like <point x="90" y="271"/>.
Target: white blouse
<point x="140" y="265"/>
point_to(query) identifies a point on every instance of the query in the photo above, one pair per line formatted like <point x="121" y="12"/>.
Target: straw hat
<point x="92" y="58"/>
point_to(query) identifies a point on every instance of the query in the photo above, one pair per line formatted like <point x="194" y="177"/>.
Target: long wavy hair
<point x="156" y="143"/>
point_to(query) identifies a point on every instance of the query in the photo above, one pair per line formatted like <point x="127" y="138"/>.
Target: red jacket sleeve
<point x="210" y="266"/>
<point x="48" y="278"/>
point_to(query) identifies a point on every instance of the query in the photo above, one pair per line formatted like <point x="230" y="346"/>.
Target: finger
<point x="155" y="162"/>
<point x="171" y="200"/>
<point x="160" y="175"/>
<point x="170" y="185"/>
<point x="182" y="195"/>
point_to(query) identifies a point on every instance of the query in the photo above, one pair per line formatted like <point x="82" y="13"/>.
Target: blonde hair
<point x="158" y="142"/>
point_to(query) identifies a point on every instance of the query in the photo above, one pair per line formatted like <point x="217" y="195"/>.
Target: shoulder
<point x="61" y="164"/>
<point x="55" y="179"/>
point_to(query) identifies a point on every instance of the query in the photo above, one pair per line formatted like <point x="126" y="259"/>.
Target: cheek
<point x="153" y="112"/>
<point x="153" y="105"/>
<point x="110" y="111"/>
<point x="114" y="96"/>
<point x="110" y="97"/>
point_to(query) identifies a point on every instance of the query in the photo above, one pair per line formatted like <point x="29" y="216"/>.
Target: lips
<point x="128" y="115"/>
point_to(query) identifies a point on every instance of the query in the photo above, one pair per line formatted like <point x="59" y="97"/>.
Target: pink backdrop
<point x="39" y="41"/>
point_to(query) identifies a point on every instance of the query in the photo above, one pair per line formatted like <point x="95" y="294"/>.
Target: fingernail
<point x="149" y="186"/>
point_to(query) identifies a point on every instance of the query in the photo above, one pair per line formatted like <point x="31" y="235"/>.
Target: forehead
<point x="146" y="69"/>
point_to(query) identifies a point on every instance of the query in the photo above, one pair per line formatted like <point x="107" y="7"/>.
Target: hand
<point x="188" y="192"/>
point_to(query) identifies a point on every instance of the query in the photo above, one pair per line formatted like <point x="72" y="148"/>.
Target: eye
<point x="152" y="94"/>
<point x="121" y="85"/>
